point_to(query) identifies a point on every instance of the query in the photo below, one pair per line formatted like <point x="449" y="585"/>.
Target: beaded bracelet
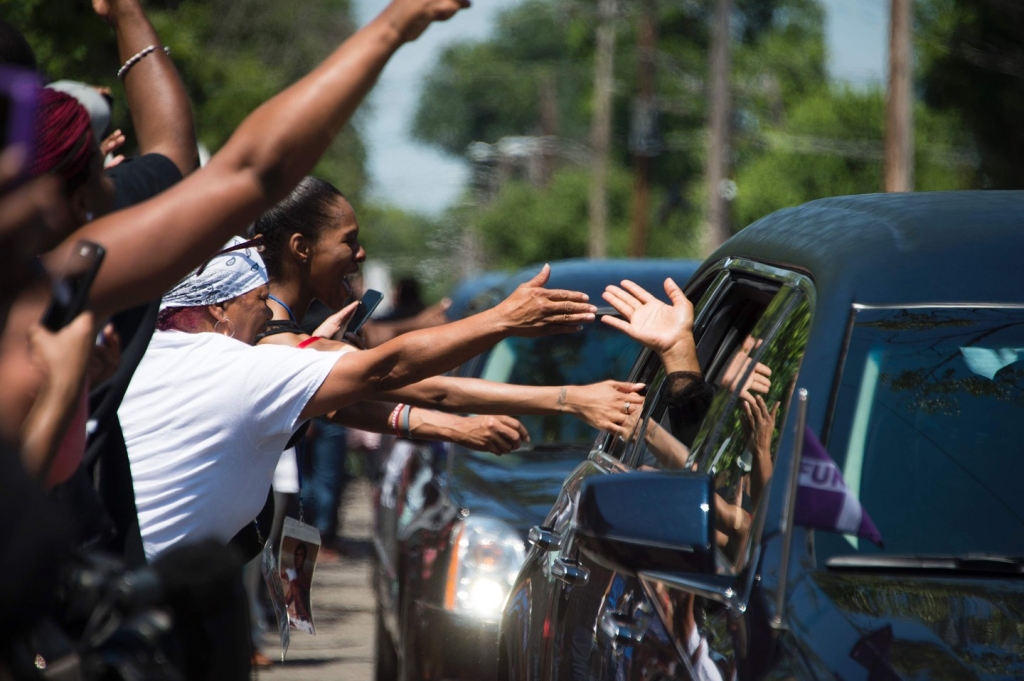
<point x="136" y="58"/>
<point x="393" y="419"/>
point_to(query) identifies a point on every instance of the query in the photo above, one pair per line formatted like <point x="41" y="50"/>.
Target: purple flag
<point x="823" y="501"/>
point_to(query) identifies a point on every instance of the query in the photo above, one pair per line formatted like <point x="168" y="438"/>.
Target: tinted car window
<point x="738" y="442"/>
<point x="928" y="430"/>
<point x="595" y="354"/>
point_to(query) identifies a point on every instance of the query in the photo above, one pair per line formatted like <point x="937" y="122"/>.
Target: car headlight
<point x="486" y="557"/>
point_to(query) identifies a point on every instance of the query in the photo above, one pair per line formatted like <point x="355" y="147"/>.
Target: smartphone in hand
<point x="71" y="289"/>
<point x="369" y="302"/>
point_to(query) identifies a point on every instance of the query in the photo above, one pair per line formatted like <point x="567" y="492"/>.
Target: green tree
<point x="487" y="90"/>
<point x="232" y="54"/>
<point x="971" y="62"/>
<point x="526" y="224"/>
<point x="830" y="144"/>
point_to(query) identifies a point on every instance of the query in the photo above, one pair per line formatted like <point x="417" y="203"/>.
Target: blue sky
<point x="417" y="178"/>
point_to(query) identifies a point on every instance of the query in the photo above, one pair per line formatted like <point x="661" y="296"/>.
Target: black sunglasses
<point x="256" y="242"/>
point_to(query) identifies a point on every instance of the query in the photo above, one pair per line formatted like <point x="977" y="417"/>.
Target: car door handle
<point x="623" y="629"/>
<point x="544" y="539"/>
<point x="570" y="571"/>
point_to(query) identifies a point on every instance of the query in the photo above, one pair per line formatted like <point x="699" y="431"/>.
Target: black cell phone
<point x="19" y="95"/>
<point x="369" y="302"/>
<point x="71" y="289"/>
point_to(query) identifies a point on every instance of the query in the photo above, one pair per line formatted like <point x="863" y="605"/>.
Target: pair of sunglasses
<point x="256" y="242"/>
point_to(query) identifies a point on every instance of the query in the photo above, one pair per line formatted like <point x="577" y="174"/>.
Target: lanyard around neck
<point x="285" y="306"/>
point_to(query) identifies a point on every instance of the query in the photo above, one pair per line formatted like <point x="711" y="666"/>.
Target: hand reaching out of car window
<point x="759" y="422"/>
<point x="757" y="381"/>
<point x="665" y="329"/>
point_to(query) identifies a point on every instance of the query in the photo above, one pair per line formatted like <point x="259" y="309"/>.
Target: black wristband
<point x="688" y="390"/>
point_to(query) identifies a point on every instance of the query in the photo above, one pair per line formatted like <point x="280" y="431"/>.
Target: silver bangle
<point x="405" y="421"/>
<point x="136" y="58"/>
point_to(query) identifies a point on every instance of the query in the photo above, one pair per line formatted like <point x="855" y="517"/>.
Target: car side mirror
<point x="649" y="521"/>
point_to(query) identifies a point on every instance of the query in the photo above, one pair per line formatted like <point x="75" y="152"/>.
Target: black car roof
<point x="897" y="248"/>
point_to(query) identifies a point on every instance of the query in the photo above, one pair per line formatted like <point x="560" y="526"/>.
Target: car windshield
<point x="929" y="429"/>
<point x="595" y="354"/>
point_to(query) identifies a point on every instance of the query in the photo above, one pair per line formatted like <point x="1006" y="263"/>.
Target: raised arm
<point x="665" y="329"/>
<point x="152" y="245"/>
<point x="160" y="110"/>
<point x="531" y="310"/>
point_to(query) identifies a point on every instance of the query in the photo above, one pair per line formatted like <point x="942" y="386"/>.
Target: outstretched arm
<point x="161" y="114"/>
<point x="601" y="405"/>
<point x="274" y="148"/>
<point x="494" y="434"/>
<point x="531" y="310"/>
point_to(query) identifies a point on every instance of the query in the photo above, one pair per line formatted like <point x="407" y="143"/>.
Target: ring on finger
<point x="626" y="408"/>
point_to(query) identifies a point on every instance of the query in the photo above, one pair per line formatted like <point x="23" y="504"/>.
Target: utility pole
<point x="601" y="129"/>
<point x="643" y="140"/>
<point x="899" y="129"/>
<point x="549" y="123"/>
<point x="716" y="171"/>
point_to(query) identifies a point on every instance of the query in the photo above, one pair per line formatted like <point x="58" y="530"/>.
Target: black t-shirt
<point x="138" y="179"/>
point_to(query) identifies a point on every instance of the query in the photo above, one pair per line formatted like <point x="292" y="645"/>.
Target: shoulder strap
<point x="276" y="326"/>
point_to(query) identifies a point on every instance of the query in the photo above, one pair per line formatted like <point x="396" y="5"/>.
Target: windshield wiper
<point x="982" y="563"/>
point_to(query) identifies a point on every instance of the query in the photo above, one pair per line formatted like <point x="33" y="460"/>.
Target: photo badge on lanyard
<point x="290" y="578"/>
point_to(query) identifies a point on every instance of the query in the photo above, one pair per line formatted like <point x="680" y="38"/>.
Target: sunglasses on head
<point x="256" y="242"/>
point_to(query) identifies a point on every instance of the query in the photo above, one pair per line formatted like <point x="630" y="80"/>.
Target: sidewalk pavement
<point x="343" y="609"/>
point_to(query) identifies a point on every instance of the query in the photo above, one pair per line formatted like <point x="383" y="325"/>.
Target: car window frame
<point x="735" y="272"/>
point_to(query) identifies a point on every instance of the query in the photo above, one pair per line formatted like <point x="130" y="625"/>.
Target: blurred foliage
<point x="524" y="224"/>
<point x="232" y="55"/>
<point x="831" y="144"/>
<point x="411" y="245"/>
<point x="970" y="56"/>
<point x="796" y="137"/>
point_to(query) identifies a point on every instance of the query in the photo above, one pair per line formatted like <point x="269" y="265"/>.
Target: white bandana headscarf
<point x="226" y="276"/>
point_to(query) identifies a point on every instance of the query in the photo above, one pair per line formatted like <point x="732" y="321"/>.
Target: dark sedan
<point x="861" y="520"/>
<point x="452" y="524"/>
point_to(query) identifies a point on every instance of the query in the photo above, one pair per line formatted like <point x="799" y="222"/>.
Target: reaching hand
<point x="411" y="17"/>
<point x="609" y="405"/>
<point x="63" y="356"/>
<point x="658" y="326"/>
<point x="760" y="425"/>
<point x="114" y="141"/>
<point x="757" y="381"/>
<point x="105" y="357"/>
<point x="533" y="310"/>
<point x="333" y="325"/>
<point x="108" y="9"/>
<point x="494" y="434"/>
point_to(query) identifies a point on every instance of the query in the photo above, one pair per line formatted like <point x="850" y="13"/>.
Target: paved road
<point x="343" y="647"/>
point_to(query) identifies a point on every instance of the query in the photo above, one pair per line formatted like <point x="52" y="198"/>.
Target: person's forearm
<point x="47" y="422"/>
<point x="265" y="158"/>
<point x="478" y="396"/>
<point x="161" y="114"/>
<point x="406" y="359"/>
<point x="368" y="415"/>
<point x="682" y="356"/>
<point x="375" y="417"/>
